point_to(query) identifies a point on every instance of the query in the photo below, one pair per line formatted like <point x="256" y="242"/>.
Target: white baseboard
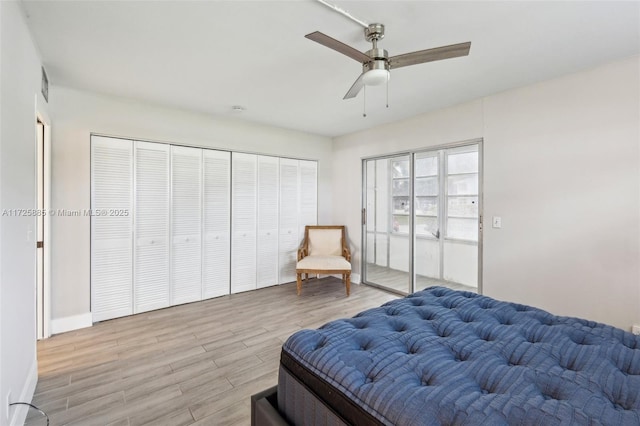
<point x="61" y="325"/>
<point x="26" y="395"/>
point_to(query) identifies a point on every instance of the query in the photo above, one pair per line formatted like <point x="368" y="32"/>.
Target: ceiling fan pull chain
<point x="364" y="101"/>
<point x="387" y="92"/>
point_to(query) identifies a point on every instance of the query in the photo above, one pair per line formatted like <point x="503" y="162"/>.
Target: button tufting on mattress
<point x="428" y="315"/>
<point x="486" y="337"/>
<point x="531" y="339"/>
<point x="443" y="333"/>
<point x="459" y="356"/>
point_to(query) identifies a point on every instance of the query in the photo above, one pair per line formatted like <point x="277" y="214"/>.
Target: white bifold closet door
<point x="186" y="225"/>
<point x="288" y="220"/>
<point x="111" y="228"/>
<point x="244" y="213"/>
<point x="151" y="227"/>
<point x="267" y="245"/>
<point x="216" y="168"/>
<point x="308" y="187"/>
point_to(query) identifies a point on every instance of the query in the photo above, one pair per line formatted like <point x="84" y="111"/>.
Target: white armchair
<point x="324" y="251"/>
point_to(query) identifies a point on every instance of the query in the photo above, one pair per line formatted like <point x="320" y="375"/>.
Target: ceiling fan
<point x="376" y="63"/>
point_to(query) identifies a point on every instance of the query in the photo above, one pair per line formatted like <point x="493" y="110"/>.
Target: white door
<point x="308" y="189"/>
<point x="216" y="175"/>
<point x="288" y="227"/>
<point x="111" y="232"/>
<point x="267" y="247"/>
<point x="244" y="207"/>
<point x="186" y="224"/>
<point x="151" y="227"/>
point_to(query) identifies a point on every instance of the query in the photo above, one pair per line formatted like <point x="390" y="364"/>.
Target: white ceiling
<point x="210" y="55"/>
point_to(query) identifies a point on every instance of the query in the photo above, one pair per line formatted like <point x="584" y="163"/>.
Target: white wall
<point x="76" y="114"/>
<point x="19" y="86"/>
<point x="562" y="169"/>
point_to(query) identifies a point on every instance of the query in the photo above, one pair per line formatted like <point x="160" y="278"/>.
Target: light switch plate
<point x="497" y="222"/>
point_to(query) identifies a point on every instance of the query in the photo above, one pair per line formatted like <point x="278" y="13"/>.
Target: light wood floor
<point x="191" y="364"/>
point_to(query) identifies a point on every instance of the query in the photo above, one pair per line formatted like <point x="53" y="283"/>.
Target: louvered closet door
<point x="111" y="242"/>
<point x="308" y="188"/>
<point x="216" y="210"/>
<point x="151" y="227"/>
<point x="186" y="224"/>
<point x="244" y="206"/>
<point x="267" y="247"/>
<point x="288" y="223"/>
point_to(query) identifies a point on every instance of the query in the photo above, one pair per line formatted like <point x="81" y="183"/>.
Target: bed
<point x="444" y="357"/>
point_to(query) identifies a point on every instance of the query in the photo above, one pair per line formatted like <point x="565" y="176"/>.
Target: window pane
<point x="427" y="186"/>
<point x="400" y="168"/>
<point x="463" y="185"/>
<point x="401" y="224"/>
<point x="427" y="166"/>
<point x="427" y="206"/>
<point x="426" y="226"/>
<point x="464" y="229"/>
<point x="401" y="205"/>
<point x="463" y="163"/>
<point x="463" y="206"/>
<point x="400" y="187"/>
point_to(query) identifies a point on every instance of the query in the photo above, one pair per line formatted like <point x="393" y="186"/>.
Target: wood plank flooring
<point x="194" y="364"/>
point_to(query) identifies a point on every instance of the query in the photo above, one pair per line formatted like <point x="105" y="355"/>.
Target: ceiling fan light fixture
<point x="376" y="77"/>
<point x="375" y="72"/>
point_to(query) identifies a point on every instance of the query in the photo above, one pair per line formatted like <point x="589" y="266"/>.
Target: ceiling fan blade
<point x="429" y="55"/>
<point x="355" y="88"/>
<point x="338" y="46"/>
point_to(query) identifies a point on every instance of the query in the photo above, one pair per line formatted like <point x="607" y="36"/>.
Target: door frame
<point x="411" y="154"/>
<point x="43" y="290"/>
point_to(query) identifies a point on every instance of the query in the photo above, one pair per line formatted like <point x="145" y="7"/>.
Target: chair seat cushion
<point x="324" y="263"/>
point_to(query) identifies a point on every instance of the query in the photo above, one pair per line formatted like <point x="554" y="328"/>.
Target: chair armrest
<point x="302" y="253"/>
<point x="346" y="254"/>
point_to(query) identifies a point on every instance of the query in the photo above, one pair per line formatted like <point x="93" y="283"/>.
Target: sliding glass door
<point x="433" y="240"/>
<point x="387" y="222"/>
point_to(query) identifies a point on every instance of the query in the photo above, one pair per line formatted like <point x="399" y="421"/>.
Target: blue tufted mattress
<point x="442" y="357"/>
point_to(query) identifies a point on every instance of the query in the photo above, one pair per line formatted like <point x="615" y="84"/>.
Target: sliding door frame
<point x="411" y="154"/>
<point x="363" y="200"/>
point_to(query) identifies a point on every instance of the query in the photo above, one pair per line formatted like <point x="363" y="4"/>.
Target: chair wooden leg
<point x="299" y="282"/>
<point x="306" y="277"/>
<point x="347" y="281"/>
